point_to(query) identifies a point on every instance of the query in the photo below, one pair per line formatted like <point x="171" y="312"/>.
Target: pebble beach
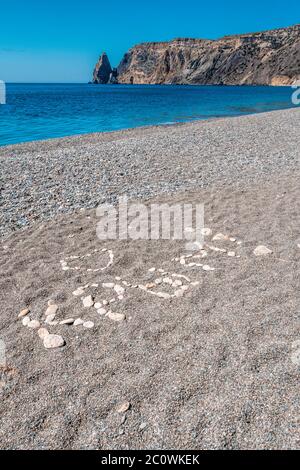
<point x="164" y="348"/>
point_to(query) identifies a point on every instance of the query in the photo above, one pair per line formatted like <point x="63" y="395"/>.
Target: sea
<point x="45" y="111"/>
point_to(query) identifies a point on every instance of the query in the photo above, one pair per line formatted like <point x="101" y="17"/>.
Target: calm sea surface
<point x="42" y="111"/>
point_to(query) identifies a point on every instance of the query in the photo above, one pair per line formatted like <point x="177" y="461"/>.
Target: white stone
<point x="42" y="332"/>
<point x="51" y="310"/>
<point x="34" y="324"/>
<point x="98" y="305"/>
<point x="124" y="407"/>
<point x="177" y="283"/>
<point x="179" y="293"/>
<point x="150" y="285"/>
<point x="108" y="285"/>
<point x="220" y="236"/>
<point x="25" y="321"/>
<point x="50" y="318"/>
<point x="53" y="341"/>
<point x="88" y="301"/>
<point x="105" y="302"/>
<point x="158" y="281"/>
<point x="207" y="268"/>
<point x="168" y="280"/>
<point x="206" y="232"/>
<point x="262" y="250"/>
<point x="68" y="321"/>
<point x="119" y="289"/>
<point x="102" y="311"/>
<point x="89" y="325"/>
<point x="152" y="270"/>
<point x="163" y="295"/>
<point x="78" y="322"/>
<point x="24" y="313"/>
<point x="78" y="292"/>
<point x="231" y="254"/>
<point x="117" y="317"/>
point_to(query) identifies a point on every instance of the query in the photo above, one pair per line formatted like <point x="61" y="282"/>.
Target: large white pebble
<point x="88" y="301"/>
<point x="89" y="325"/>
<point x="116" y="316"/>
<point x="53" y="341"/>
<point x="51" y="310"/>
<point x="102" y="311"/>
<point x="34" y="324"/>
<point x="119" y="289"/>
<point x="163" y="295"/>
<point x="219" y="236"/>
<point x="78" y="292"/>
<point x="25" y="321"/>
<point x="42" y="332"/>
<point x="262" y="250"/>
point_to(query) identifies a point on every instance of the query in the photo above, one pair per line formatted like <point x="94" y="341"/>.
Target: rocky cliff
<point x="266" y="58"/>
<point x="103" y="70"/>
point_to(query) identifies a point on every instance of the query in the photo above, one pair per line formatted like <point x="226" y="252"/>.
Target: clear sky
<point x="60" y="40"/>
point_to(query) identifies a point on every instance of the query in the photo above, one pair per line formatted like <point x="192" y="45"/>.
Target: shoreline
<point x="42" y="179"/>
<point x="146" y="127"/>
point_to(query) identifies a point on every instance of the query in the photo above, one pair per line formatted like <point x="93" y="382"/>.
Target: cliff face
<point x="267" y="58"/>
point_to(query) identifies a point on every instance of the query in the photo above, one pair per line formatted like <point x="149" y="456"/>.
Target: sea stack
<point x="103" y="70"/>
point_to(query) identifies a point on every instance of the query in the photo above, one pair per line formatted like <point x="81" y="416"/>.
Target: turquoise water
<point x="42" y="111"/>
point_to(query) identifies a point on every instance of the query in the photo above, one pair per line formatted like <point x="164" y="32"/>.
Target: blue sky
<point x="60" y="41"/>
